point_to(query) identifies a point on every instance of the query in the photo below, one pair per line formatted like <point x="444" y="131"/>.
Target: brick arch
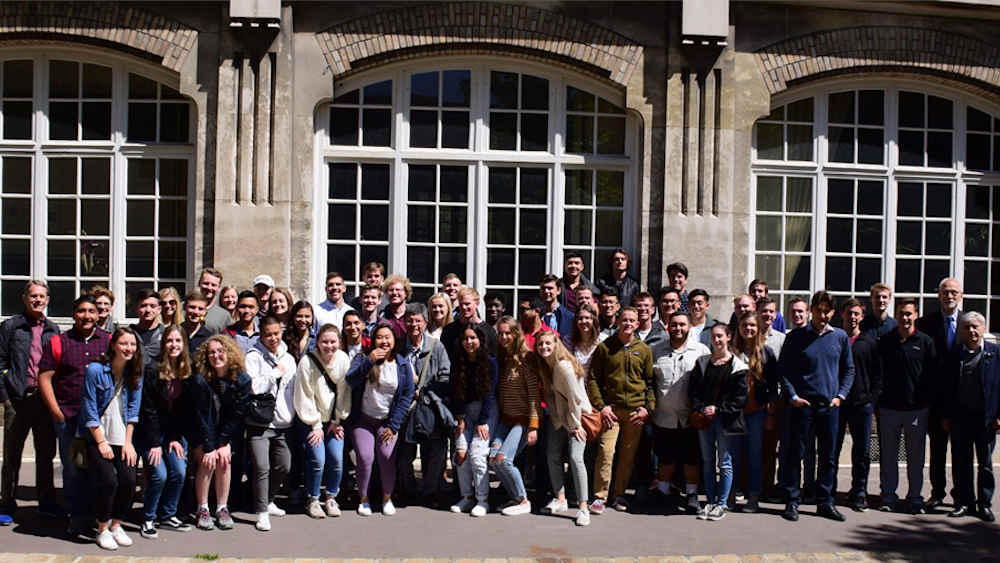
<point x="478" y="27"/>
<point x="879" y="48"/>
<point x="138" y="31"/>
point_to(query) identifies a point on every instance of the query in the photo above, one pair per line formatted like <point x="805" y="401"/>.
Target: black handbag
<point x="260" y="410"/>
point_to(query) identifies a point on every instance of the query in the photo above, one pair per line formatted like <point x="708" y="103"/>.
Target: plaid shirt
<point x="78" y="351"/>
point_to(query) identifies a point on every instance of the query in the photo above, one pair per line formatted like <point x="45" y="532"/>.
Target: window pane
<point x="94" y="257"/>
<point x="62" y="121"/>
<point x="871" y="107"/>
<point x="423" y="128"/>
<point x="977" y="152"/>
<point x="798" y="234"/>
<point x="62" y="258"/>
<point x="870" y="197"/>
<point x="867" y="272"/>
<point x="938" y="200"/>
<point x="841" y="107"/>
<point x="139" y="259"/>
<point x="995" y="279"/>
<point x="62" y="175"/>
<point x="768" y="193"/>
<point x="172" y="261"/>
<point x="62" y="295"/>
<point x="62" y="217"/>
<point x="173" y="218"/>
<point x="838" y="274"/>
<point x="16" y="175"/>
<point x="534" y="92"/>
<point x="95" y="217"/>
<point x="770" y="141"/>
<point x="452" y="260"/>
<point x="907" y="276"/>
<point x="420" y="223"/>
<point x="531" y="267"/>
<point x="800" y="142"/>
<point x="455" y="129"/>
<point x="578" y="100"/>
<point x="939" y="113"/>
<point x="353" y="97"/>
<point x="840" y="196"/>
<point x="16" y="216"/>
<point x="609" y="228"/>
<point x="908" y="238"/>
<point x="578" y="227"/>
<point x="343" y="181"/>
<point x="869" y="236"/>
<point x="768" y="268"/>
<point x="977" y="120"/>
<point x="799" y="195"/>
<point x="911" y="109"/>
<point x="424" y="89"/>
<point x="502" y="184"/>
<point x="379" y="93"/>
<point x="910" y="199"/>
<point x="340" y="258"/>
<point x="141" y="88"/>
<point x="17" y="120"/>
<point x="801" y="110"/>
<point x="579" y="134"/>
<point x="503" y="90"/>
<point x="420" y="264"/>
<point x="376" y="125"/>
<point x="934" y="272"/>
<point x="977" y="202"/>
<point x="375" y="222"/>
<point x="457" y="86"/>
<point x="938" y="239"/>
<point x="96" y="81"/>
<point x="16" y="257"/>
<point x="939" y="149"/>
<point x="173" y="177"/>
<point x="341" y="222"/>
<point x="96" y="174"/>
<point x="579" y="187"/>
<point x="141" y="122"/>
<point x="422" y="182"/>
<point x="911" y="148"/>
<point x="174" y="123"/>
<point x="453" y="223"/>
<point x="838" y="235"/>
<point x="500" y="267"/>
<point x="841" y="144"/>
<point x="610" y="135"/>
<point x="19" y="79"/>
<point x="455" y="183"/>
<point x="768" y="233"/>
<point x="503" y="131"/>
<point x="533" y="227"/>
<point x="610" y="188"/>
<point x="870" y="146"/>
<point x="139" y="215"/>
<point x="375" y="181"/>
<point x="797" y="272"/>
<point x="534" y="131"/>
<point x="501" y="226"/>
<point x="534" y="186"/>
<point x="344" y="126"/>
<point x="64" y="79"/>
<point x="975" y="278"/>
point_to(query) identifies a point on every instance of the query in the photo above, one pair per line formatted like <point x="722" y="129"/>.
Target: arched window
<point x="856" y="184"/>
<point x="483" y="170"/>
<point x="95" y="178"/>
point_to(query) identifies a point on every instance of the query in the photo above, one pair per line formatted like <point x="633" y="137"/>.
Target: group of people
<point x="226" y="390"/>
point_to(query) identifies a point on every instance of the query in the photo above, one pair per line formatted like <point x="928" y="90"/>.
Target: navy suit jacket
<point x="989" y="375"/>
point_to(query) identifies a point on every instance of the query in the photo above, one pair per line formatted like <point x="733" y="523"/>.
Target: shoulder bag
<point x="78" y="445"/>
<point x="260" y="410"/>
<point x="329" y="381"/>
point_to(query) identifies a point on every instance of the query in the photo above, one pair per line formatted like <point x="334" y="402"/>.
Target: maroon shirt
<point x="77" y="352"/>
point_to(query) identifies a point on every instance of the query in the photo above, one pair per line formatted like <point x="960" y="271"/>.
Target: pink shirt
<point x="35" y="352"/>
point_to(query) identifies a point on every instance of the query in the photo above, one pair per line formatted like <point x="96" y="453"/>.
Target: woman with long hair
<point x="229" y="296"/>
<point x="718" y="390"/>
<point x="382" y="384"/>
<point x="564" y="387"/>
<point x="109" y="412"/>
<point x="439" y="314"/>
<point x="322" y="404"/>
<point x="762" y="390"/>
<point x="473" y="387"/>
<point x="161" y="429"/>
<point x="170" y="306"/>
<point x="217" y="402"/>
<point x="517" y="392"/>
<point x="586" y="335"/>
<point x="280" y="304"/>
<point x="300" y="333"/>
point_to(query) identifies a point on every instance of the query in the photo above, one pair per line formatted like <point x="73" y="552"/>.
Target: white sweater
<point x="265" y="377"/>
<point x="567" y="398"/>
<point x="313" y="398"/>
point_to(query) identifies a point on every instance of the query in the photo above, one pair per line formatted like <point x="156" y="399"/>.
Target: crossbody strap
<point x="322" y="369"/>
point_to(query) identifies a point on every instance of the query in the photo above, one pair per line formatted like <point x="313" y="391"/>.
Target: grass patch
<point x="207" y="556"/>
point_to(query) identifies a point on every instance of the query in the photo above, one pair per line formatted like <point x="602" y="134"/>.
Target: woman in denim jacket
<point x="112" y="390"/>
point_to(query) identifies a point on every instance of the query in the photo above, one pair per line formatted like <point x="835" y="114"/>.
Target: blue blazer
<point x="98" y="389"/>
<point x="357" y="377"/>
<point x="989" y="375"/>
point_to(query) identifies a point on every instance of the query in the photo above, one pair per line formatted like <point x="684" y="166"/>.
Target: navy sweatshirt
<point x="816" y="367"/>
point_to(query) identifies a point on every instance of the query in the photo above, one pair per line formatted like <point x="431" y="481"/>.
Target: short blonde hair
<point x="467" y="290"/>
<point x="393" y="280"/>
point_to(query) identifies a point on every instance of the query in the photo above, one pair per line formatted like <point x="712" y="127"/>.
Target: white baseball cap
<point x="263" y="279"/>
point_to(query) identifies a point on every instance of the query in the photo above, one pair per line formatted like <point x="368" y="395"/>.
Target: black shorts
<point x="677" y="445"/>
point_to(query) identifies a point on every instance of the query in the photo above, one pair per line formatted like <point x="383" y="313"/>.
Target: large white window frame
<point x="479" y="158"/>
<point x="891" y="173"/>
<point x="118" y="149"/>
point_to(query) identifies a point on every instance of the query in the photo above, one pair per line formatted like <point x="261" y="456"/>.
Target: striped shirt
<point x="518" y="394"/>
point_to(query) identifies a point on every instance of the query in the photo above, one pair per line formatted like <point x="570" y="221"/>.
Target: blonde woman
<point x="170" y="307"/>
<point x="439" y="314"/>
<point x="564" y="389"/>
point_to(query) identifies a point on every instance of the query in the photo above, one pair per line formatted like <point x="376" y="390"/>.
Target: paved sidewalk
<point x="859" y="556"/>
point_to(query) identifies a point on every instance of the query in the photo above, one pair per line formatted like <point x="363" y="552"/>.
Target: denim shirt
<point x="98" y="388"/>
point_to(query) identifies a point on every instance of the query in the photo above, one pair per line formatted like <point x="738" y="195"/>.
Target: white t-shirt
<point x="113" y="422"/>
<point x="377" y="398"/>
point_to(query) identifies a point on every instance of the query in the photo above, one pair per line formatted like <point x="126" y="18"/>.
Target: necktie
<point x="950" y="331"/>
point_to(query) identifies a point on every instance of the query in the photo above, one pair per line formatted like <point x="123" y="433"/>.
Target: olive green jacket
<point x="622" y="375"/>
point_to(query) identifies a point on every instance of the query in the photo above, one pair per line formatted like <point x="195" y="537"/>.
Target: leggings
<point x="369" y="447"/>
<point x="113" y="483"/>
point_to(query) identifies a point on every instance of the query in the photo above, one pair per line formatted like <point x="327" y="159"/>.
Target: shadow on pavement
<point x="924" y="539"/>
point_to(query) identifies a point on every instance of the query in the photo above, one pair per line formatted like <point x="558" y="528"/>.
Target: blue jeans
<point x="165" y="482"/>
<point x="324" y="463"/>
<point x="856" y="419"/>
<point x="714" y="442"/>
<point x="473" y="473"/>
<point x="74" y="480"/>
<point x="749" y="452"/>
<point x="802" y="421"/>
<point x="509" y="441"/>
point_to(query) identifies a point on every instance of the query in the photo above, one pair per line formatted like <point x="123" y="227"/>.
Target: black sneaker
<point x="174" y="524"/>
<point x="791" y="513"/>
<point x="986" y="514"/>
<point x="858" y="504"/>
<point x="148" y="531"/>
<point x="831" y="512"/>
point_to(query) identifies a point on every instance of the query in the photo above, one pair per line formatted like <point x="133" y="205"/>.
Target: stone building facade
<point x="819" y="144"/>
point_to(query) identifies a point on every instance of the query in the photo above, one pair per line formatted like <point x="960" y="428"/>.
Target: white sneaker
<point x="314" y="509"/>
<point x="517" y="509"/>
<point x="705" y="510"/>
<point x="274" y="510"/>
<point x="121" y="538"/>
<point x="582" y="517"/>
<point x="463" y="505"/>
<point x="388" y="508"/>
<point x="364" y="509"/>
<point x="480" y="509"/>
<point x="331" y="507"/>
<point x="263" y="522"/>
<point x="106" y="540"/>
<point x="555" y="505"/>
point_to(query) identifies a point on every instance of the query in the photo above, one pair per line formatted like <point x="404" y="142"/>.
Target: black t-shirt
<point x="451" y="334"/>
<point x="907" y="371"/>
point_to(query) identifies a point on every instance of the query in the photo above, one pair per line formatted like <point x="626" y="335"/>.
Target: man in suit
<point x="973" y="416"/>
<point x="942" y="327"/>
